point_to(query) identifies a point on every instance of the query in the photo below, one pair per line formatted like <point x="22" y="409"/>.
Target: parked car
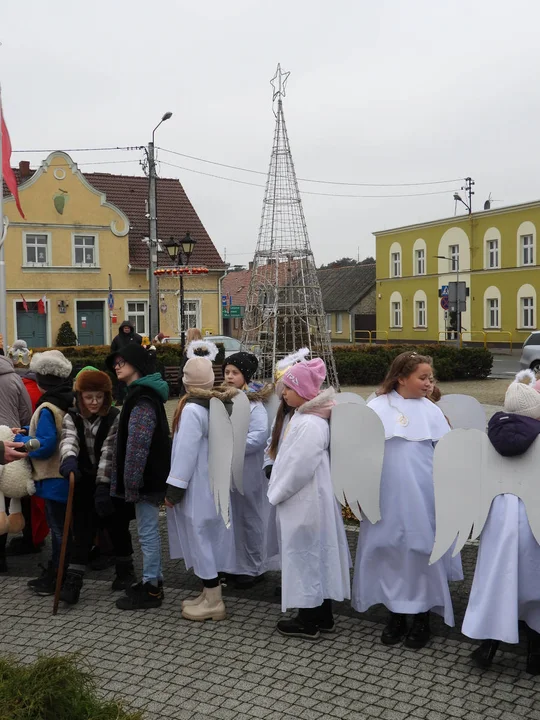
<point x="231" y="345"/>
<point x="530" y="354"/>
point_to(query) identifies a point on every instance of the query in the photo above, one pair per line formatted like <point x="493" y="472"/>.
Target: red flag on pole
<point x="7" y="170"/>
<point x="24" y="303"/>
<point x="42" y="305"/>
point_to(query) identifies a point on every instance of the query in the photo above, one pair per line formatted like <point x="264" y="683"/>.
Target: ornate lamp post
<point x="180" y="253"/>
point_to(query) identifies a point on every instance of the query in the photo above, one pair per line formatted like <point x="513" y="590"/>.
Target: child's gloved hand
<point x="70" y="465"/>
<point x="268" y="471"/>
<point x="103" y="500"/>
<point x="174" y="495"/>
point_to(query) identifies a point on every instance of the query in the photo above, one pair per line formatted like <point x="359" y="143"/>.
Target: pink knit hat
<point x="306" y="378"/>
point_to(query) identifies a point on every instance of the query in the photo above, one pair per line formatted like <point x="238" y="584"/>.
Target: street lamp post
<point x="180" y="254"/>
<point x="153" y="309"/>
<point x="458" y="306"/>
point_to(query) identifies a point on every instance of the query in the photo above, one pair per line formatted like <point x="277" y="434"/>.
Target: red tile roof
<point x="176" y="215"/>
<point x="236" y="284"/>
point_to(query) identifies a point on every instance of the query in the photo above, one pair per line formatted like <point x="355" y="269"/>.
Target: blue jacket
<point x="53" y="488"/>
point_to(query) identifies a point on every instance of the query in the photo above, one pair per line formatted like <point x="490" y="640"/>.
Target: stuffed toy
<point x="15" y="482"/>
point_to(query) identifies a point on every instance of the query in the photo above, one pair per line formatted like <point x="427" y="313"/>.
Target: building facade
<point x="495" y="255"/>
<point x="80" y="251"/>
<point x="349" y="302"/>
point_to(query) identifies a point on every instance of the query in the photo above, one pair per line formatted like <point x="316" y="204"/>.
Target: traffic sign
<point x="444" y="290"/>
<point x="234" y="311"/>
<point x="110" y="301"/>
<point x="445" y="302"/>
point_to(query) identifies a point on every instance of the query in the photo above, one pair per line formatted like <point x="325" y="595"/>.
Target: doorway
<point x="90" y="322"/>
<point x="31" y="326"/>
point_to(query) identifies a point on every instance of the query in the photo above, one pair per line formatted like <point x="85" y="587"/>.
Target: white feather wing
<point x="220" y="456"/>
<point x="463" y="411"/>
<point x="240" y="423"/>
<point x="357" y="452"/>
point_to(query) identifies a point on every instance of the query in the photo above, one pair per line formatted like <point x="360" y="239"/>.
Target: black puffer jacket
<point x="123" y="338"/>
<point x="512" y="434"/>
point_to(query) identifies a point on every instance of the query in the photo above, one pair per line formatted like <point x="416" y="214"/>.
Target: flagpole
<point x="3" y="232"/>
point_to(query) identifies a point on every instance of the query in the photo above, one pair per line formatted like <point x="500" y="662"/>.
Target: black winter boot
<point x="395" y="630"/>
<point x="304" y="625"/>
<point x="45" y="584"/>
<point x="420" y="633"/>
<point x="71" y="587"/>
<point x="3" y="564"/>
<point x="125" y="576"/>
<point x="533" y="652"/>
<point x="483" y="655"/>
<point x="325" y="621"/>
<point x="141" y="597"/>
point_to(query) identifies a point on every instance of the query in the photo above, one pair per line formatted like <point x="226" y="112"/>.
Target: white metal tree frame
<point x="284" y="310"/>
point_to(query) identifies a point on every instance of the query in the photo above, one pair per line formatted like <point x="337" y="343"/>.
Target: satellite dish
<point x="487" y="205"/>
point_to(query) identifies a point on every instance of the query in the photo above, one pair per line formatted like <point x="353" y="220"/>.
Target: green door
<point x="90" y="327"/>
<point x="31" y="326"/>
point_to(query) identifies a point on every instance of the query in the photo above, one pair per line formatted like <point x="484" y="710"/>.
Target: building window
<point x="191" y="314"/>
<point x="339" y="323"/>
<point x="84" y="250"/>
<point x="527" y="250"/>
<point x="396" y="314"/>
<point x="453" y="251"/>
<point x="36" y="250"/>
<point x="421" y="314"/>
<point x="420" y="261"/>
<point x="396" y="264"/>
<point x="328" y="323"/>
<point x="493" y="312"/>
<point x="527" y="312"/>
<point x="136" y="315"/>
<point x="493" y="253"/>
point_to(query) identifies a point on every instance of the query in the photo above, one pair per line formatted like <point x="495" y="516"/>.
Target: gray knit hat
<point x="52" y="368"/>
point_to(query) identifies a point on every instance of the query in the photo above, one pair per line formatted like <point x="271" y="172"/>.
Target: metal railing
<point x="506" y="333"/>
<point x="370" y="334"/>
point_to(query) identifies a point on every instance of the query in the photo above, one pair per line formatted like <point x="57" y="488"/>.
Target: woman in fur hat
<point x="85" y="429"/>
<point x="197" y="532"/>
<point x="53" y="372"/>
<point x="315" y="558"/>
<point x="249" y="511"/>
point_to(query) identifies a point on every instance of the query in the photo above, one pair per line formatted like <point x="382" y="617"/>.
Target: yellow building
<point x="82" y="236"/>
<point x="496" y="254"/>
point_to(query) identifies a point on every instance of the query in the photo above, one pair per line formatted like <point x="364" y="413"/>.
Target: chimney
<point x="24" y="169"/>
<point x="250" y="265"/>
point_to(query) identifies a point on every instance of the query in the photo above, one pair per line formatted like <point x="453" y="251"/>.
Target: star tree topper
<point x="279" y="81"/>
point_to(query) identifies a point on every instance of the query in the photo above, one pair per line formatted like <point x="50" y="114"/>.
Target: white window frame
<point x="328" y="323"/>
<point x="189" y="313"/>
<point x="397" y="318"/>
<point x="493" y="312"/>
<point x="420" y="261"/>
<point x="138" y="313"/>
<point x="453" y="254"/>
<point x="492" y="252"/>
<point x="48" y="246"/>
<point x="96" y="249"/>
<point x="529" y="237"/>
<point x="420" y="310"/>
<point x="396" y="264"/>
<point x="527" y="312"/>
<point x="339" y="322"/>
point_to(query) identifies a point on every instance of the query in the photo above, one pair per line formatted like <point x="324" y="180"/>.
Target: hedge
<point x="368" y="364"/>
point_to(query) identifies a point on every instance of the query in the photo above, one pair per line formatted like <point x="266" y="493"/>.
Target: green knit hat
<point x="85" y="369"/>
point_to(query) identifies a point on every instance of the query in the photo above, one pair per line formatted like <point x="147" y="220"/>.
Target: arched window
<point x="492" y="308"/>
<point x="396" y="310"/>
<point x="526" y="244"/>
<point x="420" y="309"/>
<point x="419" y="257"/>
<point x="395" y="260"/>
<point x="526" y="308"/>
<point x="492" y="249"/>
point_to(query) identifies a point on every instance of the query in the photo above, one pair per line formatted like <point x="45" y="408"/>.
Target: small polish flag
<point x="42" y="305"/>
<point x="24" y="303"/>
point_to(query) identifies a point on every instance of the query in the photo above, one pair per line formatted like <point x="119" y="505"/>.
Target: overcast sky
<point x="385" y="91"/>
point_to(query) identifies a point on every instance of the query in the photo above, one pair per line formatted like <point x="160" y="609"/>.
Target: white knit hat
<point x="521" y="398"/>
<point x="199" y="373"/>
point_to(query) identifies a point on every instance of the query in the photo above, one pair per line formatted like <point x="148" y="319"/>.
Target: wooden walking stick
<point x="65" y="536"/>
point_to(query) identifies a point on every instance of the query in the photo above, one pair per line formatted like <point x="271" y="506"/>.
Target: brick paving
<point x="242" y="669"/>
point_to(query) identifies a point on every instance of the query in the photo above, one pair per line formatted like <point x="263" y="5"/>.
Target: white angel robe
<point x="506" y="585"/>
<point x="196" y="531"/>
<point x="392" y="557"/>
<point x="250" y="511"/>
<point x="315" y="556"/>
<point x="273" y="559"/>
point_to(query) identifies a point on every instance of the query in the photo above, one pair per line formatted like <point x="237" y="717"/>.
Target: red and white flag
<point x="24" y="303"/>
<point x="7" y="170"/>
<point x="42" y="305"/>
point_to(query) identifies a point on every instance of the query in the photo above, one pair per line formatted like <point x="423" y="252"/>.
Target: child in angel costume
<point x="315" y="558"/>
<point x="250" y="508"/>
<point x="392" y="557"/>
<point x="197" y="531"/>
<point x="506" y="585"/>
